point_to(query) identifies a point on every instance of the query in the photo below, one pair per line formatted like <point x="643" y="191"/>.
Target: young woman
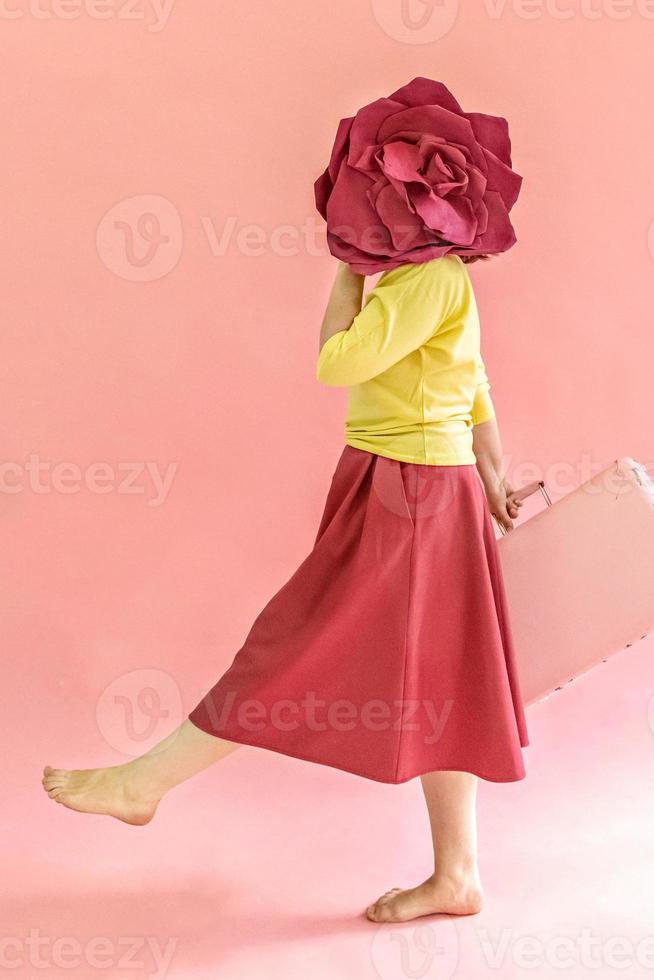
<point x="388" y="653"/>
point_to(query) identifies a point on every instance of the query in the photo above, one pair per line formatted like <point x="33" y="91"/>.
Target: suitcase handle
<point x="526" y="491"/>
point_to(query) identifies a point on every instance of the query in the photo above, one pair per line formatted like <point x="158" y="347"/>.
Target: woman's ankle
<point x="459" y="874"/>
<point x="142" y="779"/>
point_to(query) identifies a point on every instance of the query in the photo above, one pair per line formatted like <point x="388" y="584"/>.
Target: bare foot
<point x="437" y="894"/>
<point x="113" y="791"/>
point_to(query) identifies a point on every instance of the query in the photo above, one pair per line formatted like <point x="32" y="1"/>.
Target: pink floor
<point x="262" y="866"/>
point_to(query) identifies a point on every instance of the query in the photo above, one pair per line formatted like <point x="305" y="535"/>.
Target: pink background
<point x="202" y="357"/>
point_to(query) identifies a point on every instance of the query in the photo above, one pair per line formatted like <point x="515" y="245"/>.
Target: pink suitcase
<point x="579" y="576"/>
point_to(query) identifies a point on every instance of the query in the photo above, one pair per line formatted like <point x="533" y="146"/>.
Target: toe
<point x="374" y="911"/>
<point x="383" y="913"/>
<point x="52" y="783"/>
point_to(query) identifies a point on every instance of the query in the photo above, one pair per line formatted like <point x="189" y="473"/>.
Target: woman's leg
<point x="131" y="792"/>
<point x="454" y="887"/>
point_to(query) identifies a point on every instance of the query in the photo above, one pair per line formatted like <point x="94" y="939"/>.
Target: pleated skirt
<point x="388" y="653"/>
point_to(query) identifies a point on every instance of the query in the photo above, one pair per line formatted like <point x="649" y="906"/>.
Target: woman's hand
<point x="343" y="269"/>
<point x="501" y="502"/>
<point x="344" y="302"/>
<point x="500" y="494"/>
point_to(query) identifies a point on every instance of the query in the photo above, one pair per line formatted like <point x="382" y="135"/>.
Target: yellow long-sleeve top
<point x="412" y="362"/>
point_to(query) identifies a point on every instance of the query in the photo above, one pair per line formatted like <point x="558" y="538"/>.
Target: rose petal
<point x="406" y="229"/>
<point x="365" y="127"/>
<point x="324" y="183"/>
<point x="452" y="154"/>
<point x="499" y="235"/>
<point x="400" y="160"/>
<point x="501" y="178"/>
<point x="453" y="220"/>
<point x="477" y="182"/>
<point x="322" y="188"/>
<point x="444" y="179"/>
<point x="429" y="120"/>
<point x="426" y="91"/>
<point x="349" y="253"/>
<point x="401" y="189"/>
<point x="371" y="266"/>
<point x="492" y="132"/>
<point x="368" y="161"/>
<point x="350" y="213"/>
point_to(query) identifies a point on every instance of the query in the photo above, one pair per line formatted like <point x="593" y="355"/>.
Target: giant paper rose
<point x="413" y="177"/>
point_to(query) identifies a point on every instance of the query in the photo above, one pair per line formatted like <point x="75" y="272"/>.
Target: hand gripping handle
<point x="526" y="491"/>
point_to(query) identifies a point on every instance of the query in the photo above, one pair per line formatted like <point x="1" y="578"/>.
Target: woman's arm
<point x="487" y="447"/>
<point x="399" y="315"/>
<point x="344" y="302"/>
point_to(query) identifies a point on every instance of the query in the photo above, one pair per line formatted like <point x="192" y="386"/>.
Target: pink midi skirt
<point x="388" y="653"/>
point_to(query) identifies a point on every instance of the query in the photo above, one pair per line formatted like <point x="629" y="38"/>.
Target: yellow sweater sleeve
<point x="400" y="314"/>
<point x="482" y="408"/>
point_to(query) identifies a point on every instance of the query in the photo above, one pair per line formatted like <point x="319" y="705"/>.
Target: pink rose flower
<point x="412" y="177"/>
